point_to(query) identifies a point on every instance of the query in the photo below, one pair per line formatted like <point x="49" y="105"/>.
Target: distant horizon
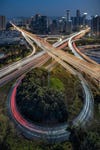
<point x="12" y="17"/>
<point x="28" y="8"/>
<point x="64" y="15"/>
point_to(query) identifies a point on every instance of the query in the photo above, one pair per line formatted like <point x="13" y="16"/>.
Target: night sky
<point x="11" y="8"/>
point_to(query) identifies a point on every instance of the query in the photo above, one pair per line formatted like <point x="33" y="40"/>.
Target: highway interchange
<point x="91" y="69"/>
<point x="58" y="133"/>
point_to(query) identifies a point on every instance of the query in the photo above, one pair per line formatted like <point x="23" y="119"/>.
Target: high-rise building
<point x="95" y="25"/>
<point x="39" y="24"/>
<point x="68" y="22"/>
<point x="78" y="19"/>
<point x="78" y="14"/>
<point x="2" y="22"/>
<point x="54" y="27"/>
<point x="68" y="15"/>
<point x="62" y="25"/>
<point x="69" y="27"/>
<point x="84" y="19"/>
<point x="44" y="24"/>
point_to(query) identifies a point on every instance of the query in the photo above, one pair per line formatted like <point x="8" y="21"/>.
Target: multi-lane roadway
<point x="58" y="133"/>
<point x="14" y="66"/>
<point x="91" y="69"/>
<point x="38" y="60"/>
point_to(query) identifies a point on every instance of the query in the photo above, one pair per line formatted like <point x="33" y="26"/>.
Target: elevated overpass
<point x="90" y="69"/>
<point x="58" y="133"/>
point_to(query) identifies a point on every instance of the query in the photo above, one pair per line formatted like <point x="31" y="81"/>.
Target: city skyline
<point x="56" y="8"/>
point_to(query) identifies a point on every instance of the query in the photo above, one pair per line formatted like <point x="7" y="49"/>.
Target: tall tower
<point x="68" y="22"/>
<point x="78" y="14"/>
<point x="78" y="19"/>
<point x="68" y="15"/>
<point x="84" y="19"/>
<point x="96" y="25"/>
<point x="2" y="22"/>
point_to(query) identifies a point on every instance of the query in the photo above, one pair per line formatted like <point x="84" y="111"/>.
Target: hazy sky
<point x="12" y="8"/>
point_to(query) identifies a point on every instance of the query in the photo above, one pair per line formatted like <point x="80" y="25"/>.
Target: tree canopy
<point x="40" y="103"/>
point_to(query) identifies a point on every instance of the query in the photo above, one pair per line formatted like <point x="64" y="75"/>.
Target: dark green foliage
<point x="87" y="41"/>
<point x="13" y="140"/>
<point x="13" y="53"/>
<point x="39" y="103"/>
<point x="73" y="91"/>
<point x="84" y="140"/>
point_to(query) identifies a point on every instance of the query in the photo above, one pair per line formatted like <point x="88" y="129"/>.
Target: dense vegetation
<point x="79" y="140"/>
<point x="83" y="139"/>
<point x="73" y="91"/>
<point x="11" y="139"/>
<point x="46" y="92"/>
<point x="87" y="41"/>
<point x="52" y="40"/>
<point x="39" y="102"/>
<point x="13" y="53"/>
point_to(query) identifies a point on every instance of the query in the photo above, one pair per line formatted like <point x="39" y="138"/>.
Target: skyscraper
<point x="78" y="14"/>
<point x="68" y="22"/>
<point x="78" y="19"/>
<point x="39" y="24"/>
<point x="84" y="19"/>
<point x="68" y="15"/>
<point x="95" y="25"/>
<point x="2" y="22"/>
